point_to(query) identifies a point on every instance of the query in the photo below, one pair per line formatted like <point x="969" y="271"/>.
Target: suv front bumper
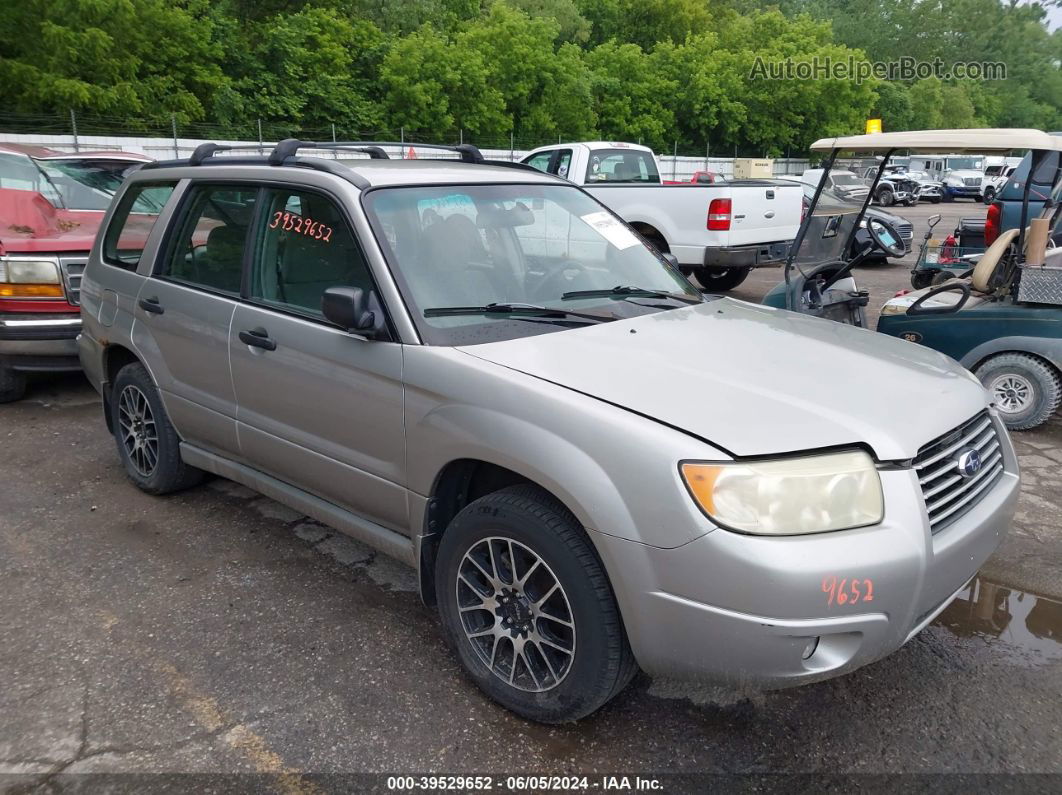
<point x="39" y="342"/>
<point x="755" y="611"/>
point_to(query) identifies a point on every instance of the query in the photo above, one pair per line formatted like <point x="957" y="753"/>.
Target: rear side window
<point x="208" y="251"/>
<point x="540" y="161"/>
<point x="621" y="165"/>
<point x="304" y="246"/>
<point x="133" y="221"/>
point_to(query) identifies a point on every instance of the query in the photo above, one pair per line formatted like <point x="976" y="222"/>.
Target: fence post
<point x="402" y="141"/>
<point x="73" y="127"/>
<point x="674" y="162"/>
<point x="261" y="142"/>
<point x="512" y="153"/>
<point x="707" y="155"/>
<point x="173" y="127"/>
<point x="333" y="133"/>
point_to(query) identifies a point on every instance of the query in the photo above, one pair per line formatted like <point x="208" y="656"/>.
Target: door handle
<point x="258" y="338"/>
<point x="151" y="305"/>
<point x="769" y="214"/>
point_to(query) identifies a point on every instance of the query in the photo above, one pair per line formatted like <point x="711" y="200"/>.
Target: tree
<point x="632" y="96"/>
<point x="435" y="87"/>
<point x="128" y="57"/>
<point x="312" y="69"/>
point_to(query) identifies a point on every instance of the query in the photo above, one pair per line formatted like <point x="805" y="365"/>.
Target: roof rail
<point x="203" y="151"/>
<point x="286" y="148"/>
<point x="289" y="146"/>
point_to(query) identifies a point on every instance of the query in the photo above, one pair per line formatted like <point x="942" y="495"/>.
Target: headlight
<point x="791" y="496"/>
<point x="25" y="278"/>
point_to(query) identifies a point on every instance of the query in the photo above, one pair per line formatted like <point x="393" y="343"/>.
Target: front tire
<point x="527" y="607"/>
<point x="886" y="198"/>
<point x="12" y="385"/>
<point x="990" y="194"/>
<point x="719" y="279"/>
<point x="147" y="442"/>
<point x="1026" y="389"/>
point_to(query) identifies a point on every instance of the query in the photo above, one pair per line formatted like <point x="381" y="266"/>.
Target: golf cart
<point x="1003" y="322"/>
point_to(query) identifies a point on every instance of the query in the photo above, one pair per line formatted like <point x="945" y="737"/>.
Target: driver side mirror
<point x="348" y="308"/>
<point x="671" y="259"/>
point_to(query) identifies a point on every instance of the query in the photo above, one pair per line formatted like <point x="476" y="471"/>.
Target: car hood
<point x="754" y="380"/>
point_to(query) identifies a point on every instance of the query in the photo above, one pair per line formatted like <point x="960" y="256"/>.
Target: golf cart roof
<point x="984" y="140"/>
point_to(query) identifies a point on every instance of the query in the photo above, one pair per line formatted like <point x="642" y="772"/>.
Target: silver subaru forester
<point x="479" y="370"/>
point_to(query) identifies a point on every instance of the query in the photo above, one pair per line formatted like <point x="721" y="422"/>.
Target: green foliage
<point x="659" y="71"/>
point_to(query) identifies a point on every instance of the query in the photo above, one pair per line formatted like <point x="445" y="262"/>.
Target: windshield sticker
<point x="612" y="230"/>
<point x="301" y="226"/>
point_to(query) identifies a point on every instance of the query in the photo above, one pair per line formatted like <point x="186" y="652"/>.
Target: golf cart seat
<point x="979" y="281"/>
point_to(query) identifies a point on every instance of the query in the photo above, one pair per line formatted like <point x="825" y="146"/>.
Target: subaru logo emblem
<point x="969" y="463"/>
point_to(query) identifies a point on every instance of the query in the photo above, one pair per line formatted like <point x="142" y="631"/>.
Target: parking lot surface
<point x="217" y="631"/>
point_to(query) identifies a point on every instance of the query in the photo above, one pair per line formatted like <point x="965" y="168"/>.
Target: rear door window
<point x="208" y="251"/>
<point x="540" y="161"/>
<point x="132" y="222"/>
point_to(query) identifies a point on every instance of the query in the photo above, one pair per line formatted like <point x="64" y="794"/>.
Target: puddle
<point x="1025" y="626"/>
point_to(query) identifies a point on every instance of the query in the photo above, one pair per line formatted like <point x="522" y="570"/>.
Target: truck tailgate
<point x="763" y="211"/>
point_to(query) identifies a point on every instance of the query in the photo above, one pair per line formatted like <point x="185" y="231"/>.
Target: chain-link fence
<point x="172" y="138"/>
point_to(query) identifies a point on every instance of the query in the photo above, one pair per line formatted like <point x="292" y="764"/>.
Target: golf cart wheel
<point x="941" y="276"/>
<point x="527" y="607"/>
<point x="886" y="198"/>
<point x="12" y="385"/>
<point x="922" y="279"/>
<point x="147" y="442"/>
<point x="714" y="279"/>
<point x="1025" y="389"/>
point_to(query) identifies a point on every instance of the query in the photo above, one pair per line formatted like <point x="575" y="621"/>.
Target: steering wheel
<point x="545" y="289"/>
<point x="886" y="237"/>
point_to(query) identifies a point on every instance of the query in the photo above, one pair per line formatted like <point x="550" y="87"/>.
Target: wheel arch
<point x="1049" y="351"/>
<point x="652" y="234"/>
<point x="115" y="357"/>
<point x="460" y="482"/>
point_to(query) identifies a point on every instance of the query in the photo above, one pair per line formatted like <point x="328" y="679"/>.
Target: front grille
<point x="906" y="231"/>
<point x="948" y="493"/>
<point x="73" y="268"/>
<point x="972" y="182"/>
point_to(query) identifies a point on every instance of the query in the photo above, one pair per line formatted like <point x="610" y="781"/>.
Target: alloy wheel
<point x="138" y="432"/>
<point x="1013" y="393"/>
<point x="515" y="614"/>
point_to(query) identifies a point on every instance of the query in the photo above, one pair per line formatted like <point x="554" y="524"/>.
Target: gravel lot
<point x="215" y="631"/>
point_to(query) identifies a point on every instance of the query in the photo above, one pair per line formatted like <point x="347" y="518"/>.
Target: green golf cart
<point x="1003" y="321"/>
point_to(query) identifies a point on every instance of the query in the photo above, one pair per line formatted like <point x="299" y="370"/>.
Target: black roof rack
<point x="285" y="153"/>
<point x="468" y="152"/>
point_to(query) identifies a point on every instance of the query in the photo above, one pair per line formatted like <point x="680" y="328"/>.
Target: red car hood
<point x="30" y="223"/>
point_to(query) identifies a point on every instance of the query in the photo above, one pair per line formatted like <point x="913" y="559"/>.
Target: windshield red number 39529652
<point x="293" y="222"/>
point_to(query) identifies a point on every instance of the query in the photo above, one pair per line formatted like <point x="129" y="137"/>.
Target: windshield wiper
<point x="515" y="310"/>
<point x="625" y="291"/>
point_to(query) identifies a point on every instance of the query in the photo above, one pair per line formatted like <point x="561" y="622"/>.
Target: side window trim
<point x="294" y="310"/>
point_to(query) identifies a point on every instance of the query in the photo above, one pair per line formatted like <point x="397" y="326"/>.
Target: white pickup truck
<point x="718" y="232"/>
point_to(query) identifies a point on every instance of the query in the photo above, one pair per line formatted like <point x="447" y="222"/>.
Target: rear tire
<point x="990" y="194"/>
<point x="12" y="385"/>
<point x="886" y="198"/>
<point x="147" y="442"/>
<point x="522" y="546"/>
<point x="1026" y="389"/>
<point x="717" y="279"/>
<point x="941" y="276"/>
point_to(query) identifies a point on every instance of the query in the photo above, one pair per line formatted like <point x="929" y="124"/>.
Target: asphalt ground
<point x="217" y="632"/>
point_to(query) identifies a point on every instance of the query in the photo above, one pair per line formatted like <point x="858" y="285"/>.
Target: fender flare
<point x="1047" y="349"/>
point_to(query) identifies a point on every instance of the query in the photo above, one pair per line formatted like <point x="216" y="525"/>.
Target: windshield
<point x="472" y="246"/>
<point x="829" y="226"/>
<point x="965" y="163"/>
<point x="847" y="180"/>
<point x="70" y="184"/>
<point x="83" y="184"/>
